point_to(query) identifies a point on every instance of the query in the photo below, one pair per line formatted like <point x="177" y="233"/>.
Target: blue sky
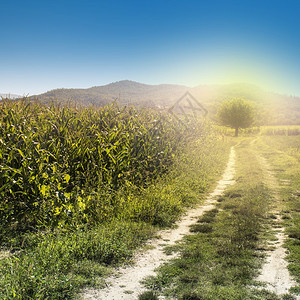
<point x="78" y="44"/>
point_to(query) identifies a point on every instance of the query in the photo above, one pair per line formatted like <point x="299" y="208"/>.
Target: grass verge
<point x="54" y="265"/>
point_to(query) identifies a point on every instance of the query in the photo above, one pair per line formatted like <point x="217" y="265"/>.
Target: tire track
<point x="274" y="272"/>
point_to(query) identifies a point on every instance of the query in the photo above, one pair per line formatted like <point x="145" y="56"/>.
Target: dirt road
<point x="125" y="284"/>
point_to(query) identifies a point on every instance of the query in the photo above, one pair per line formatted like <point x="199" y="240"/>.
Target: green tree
<point x="236" y="113"/>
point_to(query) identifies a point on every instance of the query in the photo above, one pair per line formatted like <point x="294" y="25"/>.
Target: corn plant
<point x="63" y="165"/>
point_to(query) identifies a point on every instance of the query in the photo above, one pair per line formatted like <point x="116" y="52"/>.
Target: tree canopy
<point x="236" y="113"/>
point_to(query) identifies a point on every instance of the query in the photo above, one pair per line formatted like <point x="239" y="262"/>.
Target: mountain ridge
<point x="163" y="96"/>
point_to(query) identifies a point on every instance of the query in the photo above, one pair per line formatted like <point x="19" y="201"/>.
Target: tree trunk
<point x="236" y="131"/>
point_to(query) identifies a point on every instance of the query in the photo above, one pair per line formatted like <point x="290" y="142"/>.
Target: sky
<point x="46" y="45"/>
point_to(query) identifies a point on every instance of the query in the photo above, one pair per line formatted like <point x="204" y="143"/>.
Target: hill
<point x="126" y="92"/>
<point x="277" y="108"/>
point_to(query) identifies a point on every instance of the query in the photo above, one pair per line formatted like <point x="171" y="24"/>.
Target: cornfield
<point x="281" y="130"/>
<point x="58" y="162"/>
